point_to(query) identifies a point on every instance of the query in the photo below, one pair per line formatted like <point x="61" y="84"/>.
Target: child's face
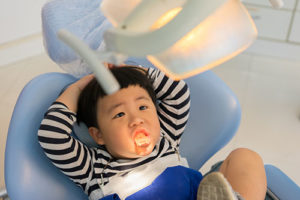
<point x="128" y="121"/>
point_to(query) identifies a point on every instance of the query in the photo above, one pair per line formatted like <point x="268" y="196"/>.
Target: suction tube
<point x="106" y="79"/>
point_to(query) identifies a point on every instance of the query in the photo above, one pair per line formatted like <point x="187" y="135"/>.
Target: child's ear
<point x="96" y="135"/>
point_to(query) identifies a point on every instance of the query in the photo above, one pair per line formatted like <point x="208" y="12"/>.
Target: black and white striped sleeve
<point x="68" y="154"/>
<point x="174" y="103"/>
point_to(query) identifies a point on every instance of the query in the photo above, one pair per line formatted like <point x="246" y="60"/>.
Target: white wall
<point x="20" y="29"/>
<point x="278" y="29"/>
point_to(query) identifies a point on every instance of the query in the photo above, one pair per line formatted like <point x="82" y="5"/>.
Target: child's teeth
<point x="141" y="139"/>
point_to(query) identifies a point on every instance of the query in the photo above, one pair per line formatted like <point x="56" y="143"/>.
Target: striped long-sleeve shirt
<point x="94" y="169"/>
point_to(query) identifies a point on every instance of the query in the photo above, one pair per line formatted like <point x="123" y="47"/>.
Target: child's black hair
<point x="126" y="76"/>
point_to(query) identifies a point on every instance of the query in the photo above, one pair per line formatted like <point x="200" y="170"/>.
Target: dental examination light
<point x="181" y="37"/>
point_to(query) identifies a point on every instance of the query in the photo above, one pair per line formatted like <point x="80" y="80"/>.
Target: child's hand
<point x="70" y="96"/>
<point x="81" y="83"/>
<point x="109" y="66"/>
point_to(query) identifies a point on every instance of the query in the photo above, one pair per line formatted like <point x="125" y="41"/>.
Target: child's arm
<point x="70" y="96"/>
<point x="174" y="103"/>
<point x="69" y="155"/>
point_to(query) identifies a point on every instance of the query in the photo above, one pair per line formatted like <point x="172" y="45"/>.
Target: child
<point x="138" y="129"/>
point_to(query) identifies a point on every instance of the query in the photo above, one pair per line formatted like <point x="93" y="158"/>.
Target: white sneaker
<point x="214" y="186"/>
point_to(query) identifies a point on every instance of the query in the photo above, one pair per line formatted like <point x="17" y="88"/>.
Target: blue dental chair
<point x="215" y="117"/>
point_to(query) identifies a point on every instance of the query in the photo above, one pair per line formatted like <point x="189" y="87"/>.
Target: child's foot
<point x="214" y="186"/>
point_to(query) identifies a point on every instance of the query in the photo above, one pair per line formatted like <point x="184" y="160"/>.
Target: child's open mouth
<point x="141" y="138"/>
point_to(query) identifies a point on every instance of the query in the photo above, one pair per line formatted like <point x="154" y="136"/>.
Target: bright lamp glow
<point x="168" y="16"/>
<point x="209" y="44"/>
<point x="182" y="37"/>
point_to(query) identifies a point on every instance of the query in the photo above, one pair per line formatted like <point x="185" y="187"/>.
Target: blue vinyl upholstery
<point x="215" y="115"/>
<point x="214" y="119"/>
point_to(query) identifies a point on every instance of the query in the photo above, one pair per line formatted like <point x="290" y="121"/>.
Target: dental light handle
<point x="276" y="3"/>
<point x="102" y="74"/>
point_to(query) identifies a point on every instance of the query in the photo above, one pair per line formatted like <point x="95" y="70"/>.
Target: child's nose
<point x="136" y="120"/>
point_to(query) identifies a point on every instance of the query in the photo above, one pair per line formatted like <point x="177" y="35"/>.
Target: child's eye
<point x="143" y="107"/>
<point x="119" y="115"/>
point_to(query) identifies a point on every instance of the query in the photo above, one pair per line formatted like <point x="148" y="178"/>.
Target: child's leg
<point x="244" y="170"/>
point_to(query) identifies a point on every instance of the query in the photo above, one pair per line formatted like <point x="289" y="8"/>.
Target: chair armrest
<point x="280" y="184"/>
